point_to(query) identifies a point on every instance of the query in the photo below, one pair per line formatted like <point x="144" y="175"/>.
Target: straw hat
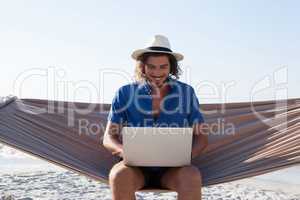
<point x="159" y="44"/>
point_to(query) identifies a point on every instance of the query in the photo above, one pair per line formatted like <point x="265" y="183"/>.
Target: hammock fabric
<point x="245" y="140"/>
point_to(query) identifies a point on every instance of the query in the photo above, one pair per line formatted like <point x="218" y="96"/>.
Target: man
<point x="157" y="98"/>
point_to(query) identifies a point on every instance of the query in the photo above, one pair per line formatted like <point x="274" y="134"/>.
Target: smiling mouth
<point x="157" y="78"/>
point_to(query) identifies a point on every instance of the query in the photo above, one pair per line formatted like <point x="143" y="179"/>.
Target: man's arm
<point x="200" y="140"/>
<point x="111" y="139"/>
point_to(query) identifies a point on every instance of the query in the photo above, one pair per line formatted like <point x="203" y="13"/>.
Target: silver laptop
<point x="165" y="147"/>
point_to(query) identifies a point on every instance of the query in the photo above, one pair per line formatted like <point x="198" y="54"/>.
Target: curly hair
<point x="139" y="74"/>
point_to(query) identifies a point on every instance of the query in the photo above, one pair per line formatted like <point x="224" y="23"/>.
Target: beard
<point x="158" y="84"/>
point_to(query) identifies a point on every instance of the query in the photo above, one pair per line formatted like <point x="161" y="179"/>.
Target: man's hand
<point x="119" y="152"/>
<point x="200" y="140"/>
<point x="111" y="139"/>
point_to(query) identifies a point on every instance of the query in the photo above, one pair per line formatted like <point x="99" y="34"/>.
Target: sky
<point x="80" y="50"/>
<point x="235" y="50"/>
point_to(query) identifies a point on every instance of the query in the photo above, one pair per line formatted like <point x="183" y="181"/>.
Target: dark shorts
<point x="152" y="176"/>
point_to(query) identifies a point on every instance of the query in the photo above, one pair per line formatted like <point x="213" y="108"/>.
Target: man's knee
<point x="120" y="174"/>
<point x="125" y="176"/>
<point x="189" y="177"/>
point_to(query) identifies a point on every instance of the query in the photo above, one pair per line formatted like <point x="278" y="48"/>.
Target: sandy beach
<point x="23" y="177"/>
<point x="61" y="184"/>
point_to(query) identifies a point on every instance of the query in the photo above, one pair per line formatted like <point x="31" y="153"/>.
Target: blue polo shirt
<point x="132" y="106"/>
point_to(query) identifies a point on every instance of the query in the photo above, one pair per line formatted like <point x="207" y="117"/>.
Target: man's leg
<point x="124" y="181"/>
<point x="186" y="181"/>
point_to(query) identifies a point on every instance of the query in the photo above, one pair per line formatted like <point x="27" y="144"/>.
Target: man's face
<point x="157" y="69"/>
